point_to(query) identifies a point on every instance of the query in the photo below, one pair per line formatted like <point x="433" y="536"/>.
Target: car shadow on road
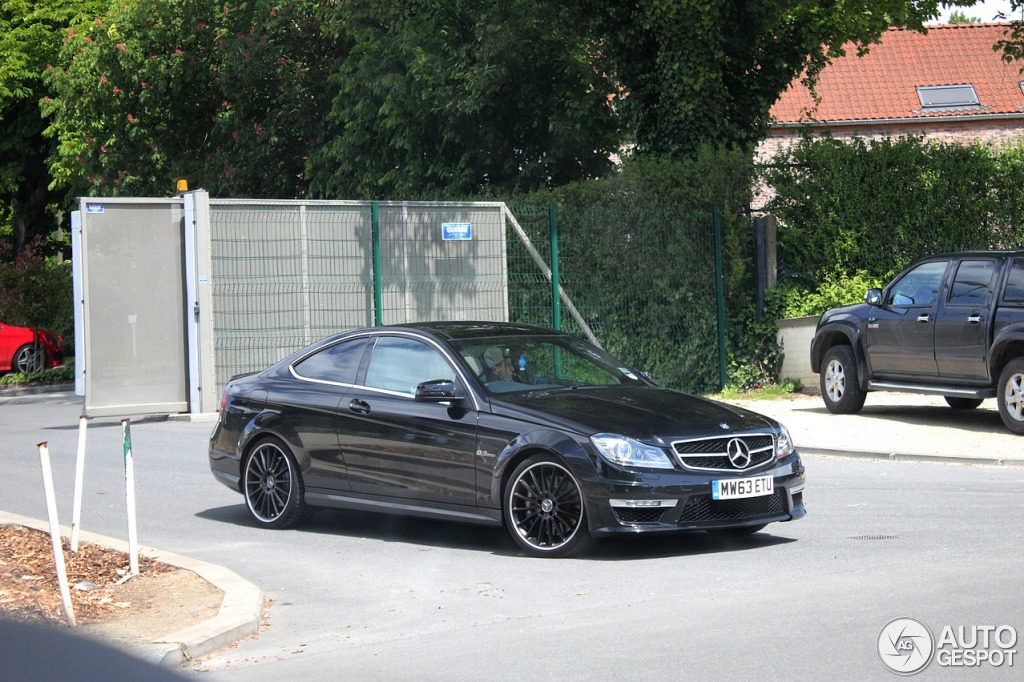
<point x="494" y="540"/>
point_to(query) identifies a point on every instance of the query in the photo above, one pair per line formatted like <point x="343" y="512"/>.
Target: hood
<point x="651" y="415"/>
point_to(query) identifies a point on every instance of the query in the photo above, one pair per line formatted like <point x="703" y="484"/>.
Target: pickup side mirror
<point x="438" y="391"/>
<point x="873" y="297"/>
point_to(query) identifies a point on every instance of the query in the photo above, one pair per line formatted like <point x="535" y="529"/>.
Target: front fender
<point x="836" y="332"/>
<point x="548" y="441"/>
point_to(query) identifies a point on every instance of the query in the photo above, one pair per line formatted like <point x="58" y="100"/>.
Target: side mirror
<point x="873" y="297"/>
<point x="437" y="391"/>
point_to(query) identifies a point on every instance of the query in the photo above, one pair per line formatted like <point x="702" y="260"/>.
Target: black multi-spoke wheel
<point x="29" y="358"/>
<point x="273" y="485"/>
<point x="544" y="509"/>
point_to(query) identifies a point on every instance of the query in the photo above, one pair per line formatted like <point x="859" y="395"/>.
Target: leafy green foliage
<point x="30" y="39"/>
<point x="876" y="206"/>
<point x="227" y="94"/>
<point x="448" y="99"/>
<point x="836" y="289"/>
<point x="55" y="375"/>
<point x="708" y="71"/>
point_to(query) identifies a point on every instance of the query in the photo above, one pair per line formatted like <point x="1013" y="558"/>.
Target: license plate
<point x="736" y="488"/>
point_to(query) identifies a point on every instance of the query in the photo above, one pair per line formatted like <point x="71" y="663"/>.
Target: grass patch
<point x="784" y="389"/>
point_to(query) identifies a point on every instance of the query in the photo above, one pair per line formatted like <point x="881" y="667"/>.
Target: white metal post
<point x="58" y="550"/>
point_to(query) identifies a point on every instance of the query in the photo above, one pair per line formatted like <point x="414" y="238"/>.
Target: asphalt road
<point x="377" y="597"/>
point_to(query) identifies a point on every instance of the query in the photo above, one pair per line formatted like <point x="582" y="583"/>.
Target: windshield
<point x="532" y="363"/>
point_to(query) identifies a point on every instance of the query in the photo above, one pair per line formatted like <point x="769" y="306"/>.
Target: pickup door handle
<point x="359" y="406"/>
<point x="974" y="319"/>
<point x="924" y="319"/>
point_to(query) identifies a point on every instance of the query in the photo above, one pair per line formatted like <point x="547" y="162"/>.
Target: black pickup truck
<point x="949" y="325"/>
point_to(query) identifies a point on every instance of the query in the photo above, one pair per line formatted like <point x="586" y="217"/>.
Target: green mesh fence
<point x="643" y="279"/>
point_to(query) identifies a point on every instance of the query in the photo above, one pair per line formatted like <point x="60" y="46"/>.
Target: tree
<point x="1012" y="45"/>
<point x="228" y="94"/>
<point x="708" y="71"/>
<point x="30" y="39"/>
<point x="958" y="17"/>
<point x="444" y="98"/>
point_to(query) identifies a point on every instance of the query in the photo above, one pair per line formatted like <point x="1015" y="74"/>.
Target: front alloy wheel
<point x="839" y="385"/>
<point x="28" y="359"/>
<point x="1011" y="395"/>
<point x="544" y="509"/>
<point x="273" y="485"/>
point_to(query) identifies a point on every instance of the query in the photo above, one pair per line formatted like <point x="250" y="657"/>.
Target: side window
<point x="338" y="363"/>
<point x="974" y="283"/>
<point x="1014" y="292"/>
<point x="919" y="287"/>
<point x="400" y="364"/>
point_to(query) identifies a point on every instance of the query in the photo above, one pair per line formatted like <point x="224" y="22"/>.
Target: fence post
<point x="378" y="298"/>
<point x="556" y="302"/>
<point x="716" y="220"/>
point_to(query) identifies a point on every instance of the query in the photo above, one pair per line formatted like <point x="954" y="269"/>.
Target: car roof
<point x="476" y="329"/>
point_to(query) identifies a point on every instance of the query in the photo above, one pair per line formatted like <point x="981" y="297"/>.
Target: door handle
<point x="974" y="319"/>
<point x="359" y="406"/>
<point x="924" y="319"/>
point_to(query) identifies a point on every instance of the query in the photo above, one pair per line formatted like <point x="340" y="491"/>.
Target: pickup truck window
<point x="919" y="287"/>
<point x="1014" y="292"/>
<point x="974" y="283"/>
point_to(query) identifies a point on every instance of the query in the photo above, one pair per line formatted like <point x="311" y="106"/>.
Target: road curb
<point x="909" y="457"/>
<point x="238" y="617"/>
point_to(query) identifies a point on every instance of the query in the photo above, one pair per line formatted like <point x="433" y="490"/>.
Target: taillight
<point x="223" y="402"/>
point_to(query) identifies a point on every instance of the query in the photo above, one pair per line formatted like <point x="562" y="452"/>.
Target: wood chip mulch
<point x="29" y="590"/>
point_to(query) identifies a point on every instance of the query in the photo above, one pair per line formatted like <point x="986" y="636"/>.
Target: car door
<point x="310" y="399"/>
<point x="964" y="319"/>
<point x="397" y="447"/>
<point x="899" y="335"/>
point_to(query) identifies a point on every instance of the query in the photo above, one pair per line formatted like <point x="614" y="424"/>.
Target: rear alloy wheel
<point x="28" y="359"/>
<point x="963" y="403"/>
<point x="272" y="485"/>
<point x="840" y="388"/>
<point x="544" y="509"/>
<point x="1011" y="395"/>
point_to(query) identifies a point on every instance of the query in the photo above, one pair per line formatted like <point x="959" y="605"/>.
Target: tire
<point x="840" y="387"/>
<point x="1010" y="395"/>
<point x="544" y="509"/>
<point x="272" y="485"/>
<point x="739" y="532"/>
<point x="963" y="403"/>
<point x="28" y="359"/>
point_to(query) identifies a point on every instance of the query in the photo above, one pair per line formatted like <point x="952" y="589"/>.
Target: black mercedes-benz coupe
<point x="497" y="424"/>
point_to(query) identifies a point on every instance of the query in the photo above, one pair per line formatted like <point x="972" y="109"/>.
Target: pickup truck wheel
<point x="963" y="403"/>
<point x="840" y="388"/>
<point x="1011" y="395"/>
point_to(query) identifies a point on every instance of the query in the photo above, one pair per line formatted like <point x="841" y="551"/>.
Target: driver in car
<point x="499" y="365"/>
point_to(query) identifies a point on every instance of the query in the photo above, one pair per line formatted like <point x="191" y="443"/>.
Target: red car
<point x="19" y="351"/>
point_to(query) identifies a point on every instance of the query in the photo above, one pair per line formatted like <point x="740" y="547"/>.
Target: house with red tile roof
<point x="946" y="84"/>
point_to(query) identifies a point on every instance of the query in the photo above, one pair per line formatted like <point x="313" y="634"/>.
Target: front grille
<point x="703" y="508"/>
<point x="635" y="516"/>
<point x="712" y="454"/>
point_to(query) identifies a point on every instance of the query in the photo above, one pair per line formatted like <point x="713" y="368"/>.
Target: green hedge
<point x="873" y="207"/>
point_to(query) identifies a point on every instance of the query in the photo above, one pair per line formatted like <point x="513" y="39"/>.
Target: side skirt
<point x="477" y="515"/>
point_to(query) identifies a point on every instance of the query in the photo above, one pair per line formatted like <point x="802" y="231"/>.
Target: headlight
<point x="628" y="452"/>
<point x="784" y="447"/>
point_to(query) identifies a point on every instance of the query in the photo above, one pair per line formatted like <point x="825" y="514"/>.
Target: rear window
<point x="1015" y="282"/>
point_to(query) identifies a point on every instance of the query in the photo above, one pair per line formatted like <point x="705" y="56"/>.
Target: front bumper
<point x="677" y="501"/>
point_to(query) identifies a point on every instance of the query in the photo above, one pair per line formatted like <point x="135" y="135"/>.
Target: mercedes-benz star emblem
<point x="739" y="453"/>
